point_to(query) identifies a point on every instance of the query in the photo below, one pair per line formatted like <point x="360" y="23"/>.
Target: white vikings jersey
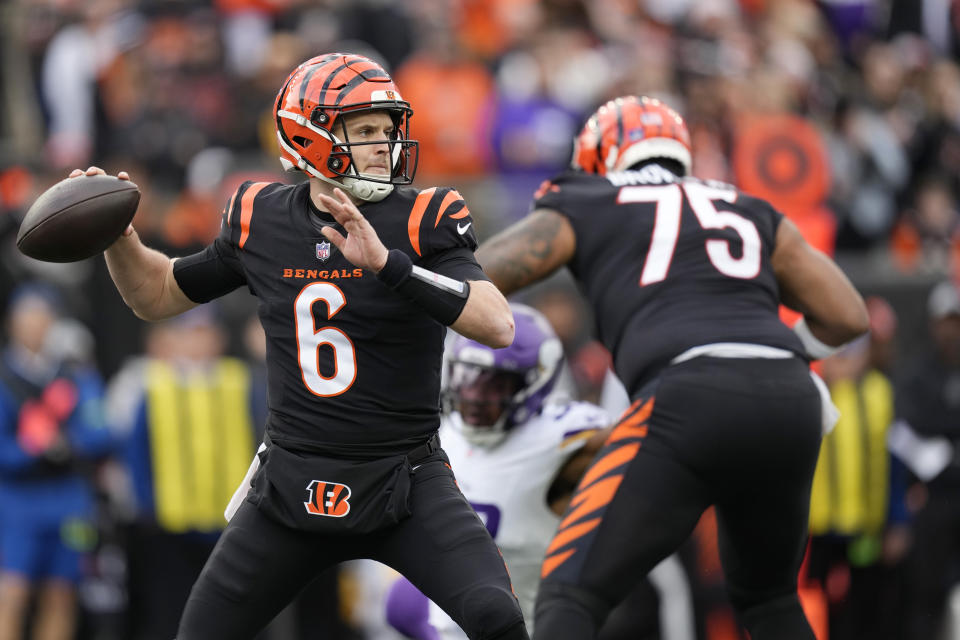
<point x="507" y="486"/>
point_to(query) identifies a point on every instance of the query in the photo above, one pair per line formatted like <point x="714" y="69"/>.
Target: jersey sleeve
<point x="763" y="215"/>
<point x="561" y="193"/>
<point x="571" y="424"/>
<point x="217" y="269"/>
<point x="459" y="264"/>
<point x="440" y="220"/>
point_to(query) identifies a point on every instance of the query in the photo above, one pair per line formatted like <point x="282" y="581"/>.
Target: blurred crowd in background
<point x="845" y="114"/>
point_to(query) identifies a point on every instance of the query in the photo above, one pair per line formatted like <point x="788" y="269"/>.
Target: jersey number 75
<point x="666" y="228"/>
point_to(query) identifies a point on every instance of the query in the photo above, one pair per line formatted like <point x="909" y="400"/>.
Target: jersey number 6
<point x="666" y="229"/>
<point x="310" y="339"/>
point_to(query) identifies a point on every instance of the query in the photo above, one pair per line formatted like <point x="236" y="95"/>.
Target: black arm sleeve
<point x="210" y="273"/>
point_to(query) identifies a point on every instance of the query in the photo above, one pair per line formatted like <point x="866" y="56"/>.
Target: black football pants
<point x="741" y="434"/>
<point x="259" y="565"/>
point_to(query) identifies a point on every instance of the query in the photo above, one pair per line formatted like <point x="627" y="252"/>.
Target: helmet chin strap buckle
<point x="361" y="189"/>
<point x="366" y="190"/>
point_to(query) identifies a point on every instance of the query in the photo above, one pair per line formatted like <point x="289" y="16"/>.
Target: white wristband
<point x="815" y="348"/>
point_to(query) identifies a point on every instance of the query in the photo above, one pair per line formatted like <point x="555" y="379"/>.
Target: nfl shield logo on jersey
<point x="323" y="251"/>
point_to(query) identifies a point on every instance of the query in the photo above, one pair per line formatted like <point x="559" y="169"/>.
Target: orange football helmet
<point x="628" y="130"/>
<point x="313" y="137"/>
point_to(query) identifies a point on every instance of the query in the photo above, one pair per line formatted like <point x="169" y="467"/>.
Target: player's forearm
<point x="144" y="278"/>
<point x="486" y="317"/>
<point x="814" y="285"/>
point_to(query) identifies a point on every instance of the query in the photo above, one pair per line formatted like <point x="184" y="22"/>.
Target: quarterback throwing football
<point x="357" y="276"/>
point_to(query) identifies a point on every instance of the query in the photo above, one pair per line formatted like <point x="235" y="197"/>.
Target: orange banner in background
<point x="782" y="158"/>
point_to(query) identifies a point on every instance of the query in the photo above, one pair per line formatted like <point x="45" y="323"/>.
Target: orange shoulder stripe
<point x="246" y="209"/>
<point x="451" y="197"/>
<point x="416" y="215"/>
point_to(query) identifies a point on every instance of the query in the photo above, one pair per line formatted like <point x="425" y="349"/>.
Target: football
<point x="78" y="218"/>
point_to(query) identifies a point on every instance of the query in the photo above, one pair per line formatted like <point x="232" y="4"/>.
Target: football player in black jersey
<point x="685" y="278"/>
<point x="357" y="276"/>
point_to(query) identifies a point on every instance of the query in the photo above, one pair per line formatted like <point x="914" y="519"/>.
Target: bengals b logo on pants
<point x="328" y="499"/>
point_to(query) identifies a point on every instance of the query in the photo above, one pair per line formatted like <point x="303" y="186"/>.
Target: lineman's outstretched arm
<point x="528" y="250"/>
<point x="814" y="285"/>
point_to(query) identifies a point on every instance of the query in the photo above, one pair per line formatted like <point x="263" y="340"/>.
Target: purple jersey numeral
<point x="490" y="515"/>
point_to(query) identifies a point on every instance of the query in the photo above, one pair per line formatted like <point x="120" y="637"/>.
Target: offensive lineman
<point x="685" y="278"/>
<point x="354" y="305"/>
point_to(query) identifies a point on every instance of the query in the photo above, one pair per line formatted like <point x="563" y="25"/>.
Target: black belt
<point x="425" y="450"/>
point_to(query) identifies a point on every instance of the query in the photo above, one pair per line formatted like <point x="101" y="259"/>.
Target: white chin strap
<point x="365" y="189"/>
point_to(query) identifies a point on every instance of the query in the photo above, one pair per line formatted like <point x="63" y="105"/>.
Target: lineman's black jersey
<point x="351" y="365"/>
<point x="698" y="271"/>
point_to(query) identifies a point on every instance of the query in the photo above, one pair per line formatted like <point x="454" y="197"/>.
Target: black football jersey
<point x="670" y="263"/>
<point x="351" y="365"/>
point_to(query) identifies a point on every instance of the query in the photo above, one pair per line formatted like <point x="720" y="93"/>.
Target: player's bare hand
<point x="96" y="171"/>
<point x="361" y="246"/>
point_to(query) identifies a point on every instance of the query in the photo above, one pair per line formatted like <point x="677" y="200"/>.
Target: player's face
<point x="482" y="394"/>
<point x="370" y="126"/>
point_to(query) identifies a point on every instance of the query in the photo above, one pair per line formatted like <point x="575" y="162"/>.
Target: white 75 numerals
<point x="666" y="228"/>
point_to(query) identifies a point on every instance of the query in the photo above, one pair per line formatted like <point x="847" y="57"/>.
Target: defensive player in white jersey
<point x="517" y="457"/>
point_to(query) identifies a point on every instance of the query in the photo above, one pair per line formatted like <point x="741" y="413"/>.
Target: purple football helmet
<point x="496" y="389"/>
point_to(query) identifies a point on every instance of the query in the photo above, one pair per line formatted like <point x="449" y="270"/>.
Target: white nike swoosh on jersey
<point x="415" y="467"/>
<point x="463" y="230"/>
